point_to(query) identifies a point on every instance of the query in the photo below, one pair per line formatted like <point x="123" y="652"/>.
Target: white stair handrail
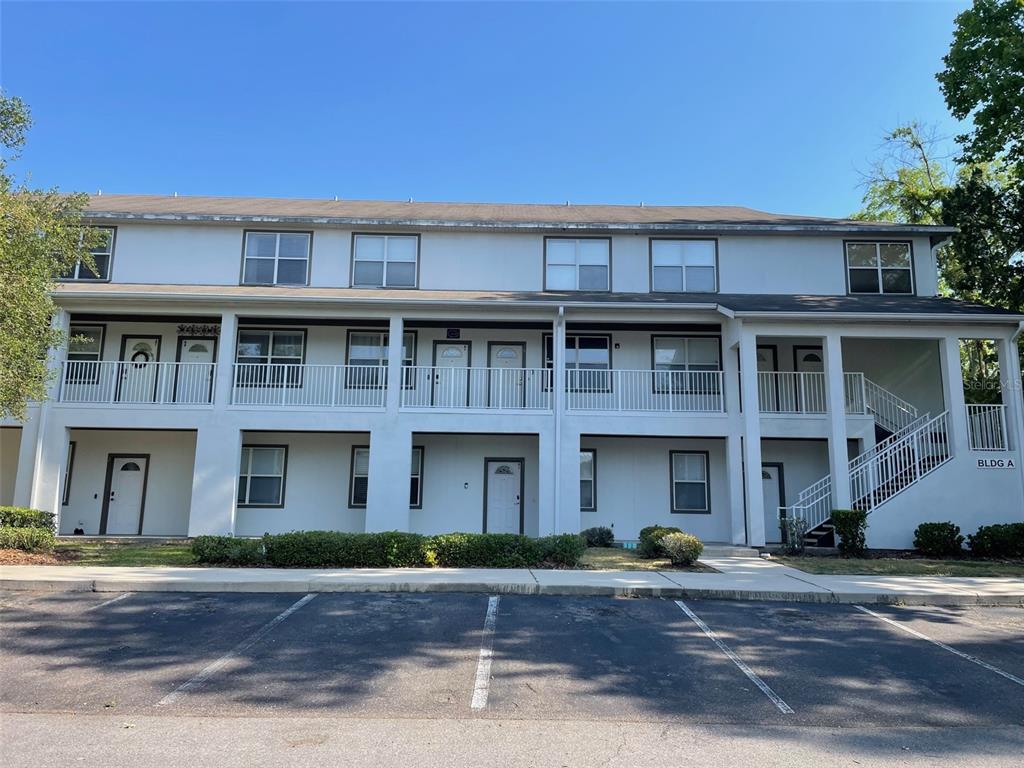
<point x="889" y="409"/>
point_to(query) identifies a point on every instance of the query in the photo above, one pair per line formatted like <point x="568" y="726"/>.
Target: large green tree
<point x="41" y="237"/>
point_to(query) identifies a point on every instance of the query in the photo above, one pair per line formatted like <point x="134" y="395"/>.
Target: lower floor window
<point x="588" y="477"/>
<point x="261" y="475"/>
<point x="689" y="481"/>
<point x="360" y="480"/>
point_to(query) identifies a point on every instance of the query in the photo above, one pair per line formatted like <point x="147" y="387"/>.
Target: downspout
<point x="559" y="388"/>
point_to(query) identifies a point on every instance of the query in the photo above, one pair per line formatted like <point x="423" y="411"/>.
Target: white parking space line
<point x="108" y="602"/>
<point x="783" y="707"/>
<point x="483" y="667"/>
<point x="943" y="646"/>
<point x="242" y="647"/>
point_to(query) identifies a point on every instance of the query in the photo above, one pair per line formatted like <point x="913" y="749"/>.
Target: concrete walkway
<point x="739" y="578"/>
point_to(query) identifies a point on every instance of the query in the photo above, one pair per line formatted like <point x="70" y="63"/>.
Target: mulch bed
<point x="17" y="557"/>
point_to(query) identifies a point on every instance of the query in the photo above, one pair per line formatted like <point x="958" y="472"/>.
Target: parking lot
<point x="458" y="657"/>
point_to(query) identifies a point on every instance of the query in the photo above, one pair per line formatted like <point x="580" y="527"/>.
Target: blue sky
<point x="771" y="105"/>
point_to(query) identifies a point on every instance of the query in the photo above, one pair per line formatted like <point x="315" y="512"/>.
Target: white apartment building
<point x="241" y="366"/>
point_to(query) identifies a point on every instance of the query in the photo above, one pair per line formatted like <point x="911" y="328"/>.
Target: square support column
<point x="838" y="455"/>
<point x="568" y="520"/>
<point x="51" y="455"/>
<point x="224" y="381"/>
<point x="953" y="387"/>
<point x="26" y="459"/>
<point x="1010" y="385"/>
<point x="752" y="439"/>
<point x="393" y="396"/>
<point x="547" y="458"/>
<point x="387" y="495"/>
<point x="734" y="473"/>
<point x="215" y="480"/>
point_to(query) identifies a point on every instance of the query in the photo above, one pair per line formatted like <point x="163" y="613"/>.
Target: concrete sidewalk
<point x="738" y="579"/>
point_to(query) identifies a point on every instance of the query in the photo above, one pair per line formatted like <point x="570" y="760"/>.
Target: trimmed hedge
<point x="682" y="548"/>
<point x="391" y="549"/>
<point x="1003" y="540"/>
<point x="26" y="539"/>
<point x="851" y="526"/>
<point x="23" y="517"/>
<point x="598" y="537"/>
<point x="649" y="545"/>
<point x="938" y="539"/>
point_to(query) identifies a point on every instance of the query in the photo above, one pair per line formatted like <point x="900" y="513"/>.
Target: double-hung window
<point x="588" y="362"/>
<point x="879" y="267"/>
<point x="102" y="254"/>
<point x="276" y="258"/>
<point x="261" y="476"/>
<point x="85" y="346"/>
<point x="384" y="261"/>
<point x="577" y="264"/>
<point x="588" y="480"/>
<point x="269" y="358"/>
<point x="360" y="479"/>
<point x="683" y="266"/>
<point x="689" y="472"/>
<point x="368" y="358"/>
<point x="685" y="363"/>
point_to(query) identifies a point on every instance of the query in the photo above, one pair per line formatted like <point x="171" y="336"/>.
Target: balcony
<point x="117" y="382"/>
<point x="283" y="385"/>
<point x="640" y="391"/>
<point x="986" y="427"/>
<point x="460" y="388"/>
<point x="804" y="393"/>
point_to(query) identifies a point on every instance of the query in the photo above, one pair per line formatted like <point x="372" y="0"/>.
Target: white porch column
<point x="558" y="382"/>
<point x="1010" y="383"/>
<point x="734" y="472"/>
<point x="838" y="455"/>
<point x="224" y="381"/>
<point x="215" y="476"/>
<point x="547" y="458"/>
<point x="569" y="482"/>
<point x="953" y="387"/>
<point x="50" y="446"/>
<point x="26" y="458"/>
<point x="387" y="495"/>
<point x="752" y="439"/>
<point x="393" y="396"/>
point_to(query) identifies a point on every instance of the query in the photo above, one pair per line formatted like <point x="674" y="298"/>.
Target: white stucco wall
<point x="804" y="462"/>
<point x="634" y="488"/>
<point x="168" y="489"/>
<point x="909" y="368"/>
<point x="316" y="485"/>
<point x="10" y="443"/>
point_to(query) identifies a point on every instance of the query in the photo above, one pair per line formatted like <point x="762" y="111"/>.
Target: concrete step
<point x="727" y="550"/>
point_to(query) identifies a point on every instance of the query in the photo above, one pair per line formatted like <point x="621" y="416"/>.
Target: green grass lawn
<point x="617" y="559"/>
<point x="903" y="566"/>
<point x="129" y="553"/>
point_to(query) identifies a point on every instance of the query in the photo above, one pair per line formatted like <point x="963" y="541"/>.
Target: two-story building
<point x="245" y="365"/>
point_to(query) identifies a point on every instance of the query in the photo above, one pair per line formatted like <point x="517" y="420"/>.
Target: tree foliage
<point x="41" y="237"/>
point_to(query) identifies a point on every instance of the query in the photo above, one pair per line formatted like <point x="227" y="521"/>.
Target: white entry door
<point x="138" y="380"/>
<point x="194" y="378"/>
<point x="451" y="375"/>
<point x="772" y="488"/>
<point x="506" y="376"/>
<point x="503" y="511"/>
<point x="127" y="491"/>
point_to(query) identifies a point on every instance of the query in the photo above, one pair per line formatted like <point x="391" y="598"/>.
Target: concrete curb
<point x="514" y="588"/>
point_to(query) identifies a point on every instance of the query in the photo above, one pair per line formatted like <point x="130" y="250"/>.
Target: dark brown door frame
<point x="522" y="489"/>
<point x="522" y="357"/>
<point x="782" y="492"/>
<point x="123" y="362"/>
<point x="177" y="359"/>
<point x="469" y="364"/>
<point x="111" y="458"/>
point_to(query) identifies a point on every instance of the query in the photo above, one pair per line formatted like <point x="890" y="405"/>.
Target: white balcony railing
<point x="645" y="391"/>
<point x="113" y="381"/>
<point x="429" y="386"/>
<point x="986" y="427"/>
<point x="804" y="392"/>
<point x="320" y="386"/>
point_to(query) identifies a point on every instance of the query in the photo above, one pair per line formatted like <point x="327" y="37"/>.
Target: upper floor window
<point x="85" y="348"/>
<point x="588" y="362"/>
<point x="684" y="266"/>
<point x="269" y="357"/>
<point x="102" y="253"/>
<point x="368" y="356"/>
<point x="879" y="267"/>
<point x="384" y="261"/>
<point x="577" y="264"/>
<point x="682" y="363"/>
<point x="276" y="258"/>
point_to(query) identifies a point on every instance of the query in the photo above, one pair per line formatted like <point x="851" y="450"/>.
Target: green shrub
<point x="938" y="539"/>
<point x="227" y="550"/>
<point x="486" y="550"/>
<point x="598" y="537"/>
<point x="796" y="529"/>
<point x="23" y="517"/>
<point x="1003" y="540"/>
<point x="649" y="545"/>
<point x="851" y="525"/>
<point x="26" y="539"/>
<point x="565" y="549"/>
<point x="682" y="548"/>
<point x="334" y="549"/>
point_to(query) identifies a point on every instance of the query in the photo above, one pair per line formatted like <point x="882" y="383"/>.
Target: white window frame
<point x="365" y="449"/>
<point x="76" y="272"/>
<point x="277" y="258"/>
<point x="878" y="269"/>
<point x="384" y="261"/>
<point x="592" y="480"/>
<point x="684" y="267"/>
<point x="704" y="457"/>
<point x="245" y="471"/>
<point x="577" y="263"/>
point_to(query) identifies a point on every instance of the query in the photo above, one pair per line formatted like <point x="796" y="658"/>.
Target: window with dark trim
<point x="66" y="495"/>
<point x="102" y="255"/>
<point x="689" y="473"/>
<point x="577" y="264"/>
<point x="681" y="363"/>
<point x="385" y="261"/>
<point x="360" y="477"/>
<point x="368" y="354"/>
<point x="588" y="480"/>
<point x="684" y="266"/>
<point x="261" y="475"/>
<point x="269" y="357"/>
<point x="276" y="258"/>
<point x="588" y="362"/>
<point x="85" y="349"/>
<point x="879" y="267"/>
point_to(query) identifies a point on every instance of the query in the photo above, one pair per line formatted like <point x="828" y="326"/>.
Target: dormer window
<point x="276" y="258"/>
<point x="577" y="264"/>
<point x="102" y="254"/>
<point x="879" y="267"/>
